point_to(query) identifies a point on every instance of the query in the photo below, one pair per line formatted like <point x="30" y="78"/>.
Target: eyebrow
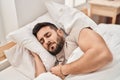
<point x="44" y="35"/>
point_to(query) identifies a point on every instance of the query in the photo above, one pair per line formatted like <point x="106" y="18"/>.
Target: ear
<point x="60" y="32"/>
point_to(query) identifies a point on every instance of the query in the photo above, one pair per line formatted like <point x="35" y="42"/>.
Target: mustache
<point x="49" y="44"/>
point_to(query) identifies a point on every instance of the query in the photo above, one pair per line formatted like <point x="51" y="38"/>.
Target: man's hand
<point x="39" y="67"/>
<point x="35" y="55"/>
<point x="57" y="71"/>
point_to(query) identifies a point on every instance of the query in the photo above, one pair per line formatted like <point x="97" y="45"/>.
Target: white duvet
<point x="111" y="34"/>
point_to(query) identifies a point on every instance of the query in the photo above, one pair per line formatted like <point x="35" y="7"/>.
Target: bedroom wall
<point x="73" y="3"/>
<point x="2" y="34"/>
<point x="29" y="10"/>
<point x="9" y="18"/>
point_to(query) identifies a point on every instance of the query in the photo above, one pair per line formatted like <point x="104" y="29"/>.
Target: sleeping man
<point x="61" y="45"/>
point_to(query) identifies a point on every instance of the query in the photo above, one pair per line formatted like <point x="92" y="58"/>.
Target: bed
<point x="25" y="16"/>
<point x="9" y="72"/>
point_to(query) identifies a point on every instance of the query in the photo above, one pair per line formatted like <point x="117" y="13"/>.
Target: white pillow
<point x="24" y="37"/>
<point x="21" y="61"/>
<point x="67" y="16"/>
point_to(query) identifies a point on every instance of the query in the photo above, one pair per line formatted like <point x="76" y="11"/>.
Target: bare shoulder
<point x="88" y="38"/>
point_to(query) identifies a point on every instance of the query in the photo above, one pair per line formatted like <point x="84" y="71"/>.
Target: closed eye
<point x="48" y="34"/>
<point x="41" y="40"/>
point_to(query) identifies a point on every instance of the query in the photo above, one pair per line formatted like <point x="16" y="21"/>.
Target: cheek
<point x="37" y="36"/>
<point x="55" y="38"/>
<point x="45" y="46"/>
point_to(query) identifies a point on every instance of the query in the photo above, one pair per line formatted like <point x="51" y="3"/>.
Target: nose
<point x="47" y="42"/>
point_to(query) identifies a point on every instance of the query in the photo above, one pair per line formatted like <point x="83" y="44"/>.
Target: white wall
<point x="79" y="2"/>
<point x="9" y="17"/>
<point x="29" y="10"/>
<point x="2" y="34"/>
<point x="74" y="3"/>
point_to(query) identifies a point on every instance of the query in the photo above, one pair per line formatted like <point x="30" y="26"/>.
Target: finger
<point x="51" y="70"/>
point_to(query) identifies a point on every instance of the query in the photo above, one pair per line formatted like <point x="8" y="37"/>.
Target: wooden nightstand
<point x="107" y="8"/>
<point x="84" y="10"/>
<point x="2" y="56"/>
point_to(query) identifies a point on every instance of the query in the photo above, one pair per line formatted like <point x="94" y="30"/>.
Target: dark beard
<point x="59" y="47"/>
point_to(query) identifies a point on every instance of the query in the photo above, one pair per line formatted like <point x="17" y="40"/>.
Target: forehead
<point x="43" y="30"/>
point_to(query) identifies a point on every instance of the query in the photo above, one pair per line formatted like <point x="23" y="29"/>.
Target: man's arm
<point x="39" y="67"/>
<point x="96" y="54"/>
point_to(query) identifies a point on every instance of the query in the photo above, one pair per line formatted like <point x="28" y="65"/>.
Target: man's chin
<point x="57" y="49"/>
<point x="53" y="53"/>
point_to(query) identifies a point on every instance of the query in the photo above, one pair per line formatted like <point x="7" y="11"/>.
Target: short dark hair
<point x="38" y="26"/>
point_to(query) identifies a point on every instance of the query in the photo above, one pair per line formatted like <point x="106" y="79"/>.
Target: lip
<point x="50" y="46"/>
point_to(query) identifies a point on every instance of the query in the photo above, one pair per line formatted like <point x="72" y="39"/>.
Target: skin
<point x="96" y="53"/>
<point x="39" y="67"/>
<point x="50" y="38"/>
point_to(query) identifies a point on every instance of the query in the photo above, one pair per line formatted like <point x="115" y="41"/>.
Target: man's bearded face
<point x="51" y="40"/>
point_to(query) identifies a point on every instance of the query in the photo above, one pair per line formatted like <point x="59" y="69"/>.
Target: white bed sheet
<point x="11" y="73"/>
